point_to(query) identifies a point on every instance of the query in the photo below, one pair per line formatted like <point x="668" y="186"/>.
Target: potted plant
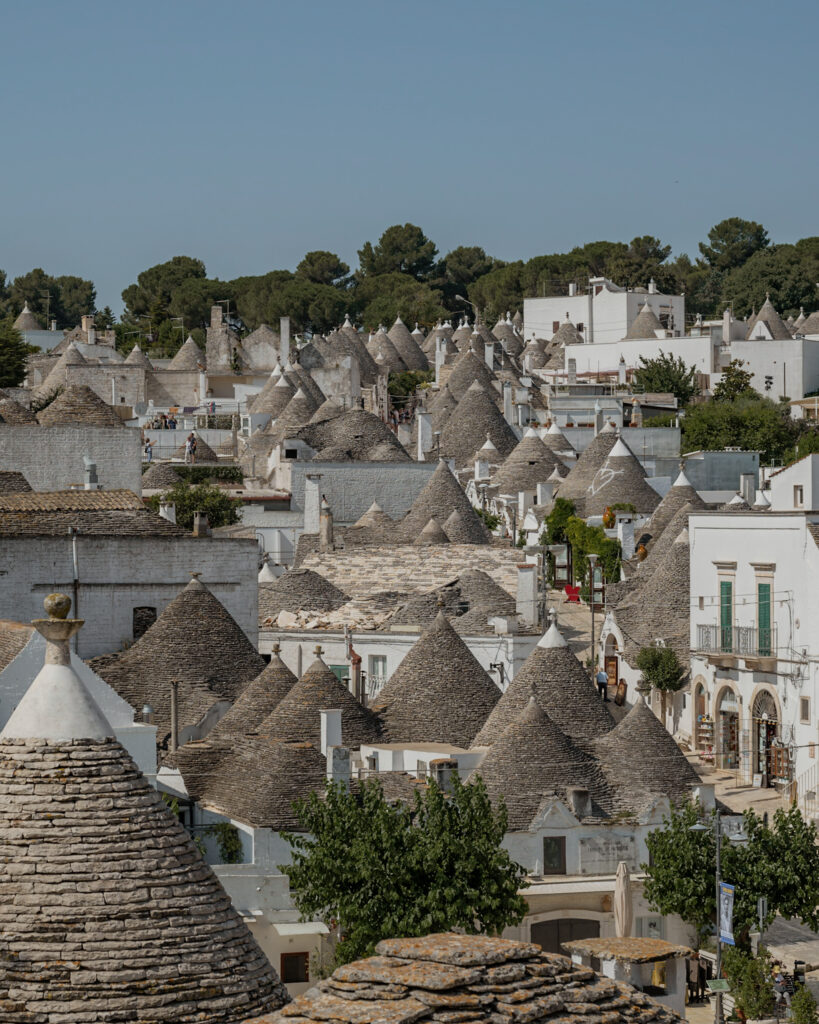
<point x="803" y="1006"/>
<point x="755" y="994"/>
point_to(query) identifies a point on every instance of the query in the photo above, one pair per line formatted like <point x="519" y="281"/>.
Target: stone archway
<point x="765" y="732"/>
<point x="726" y="728"/>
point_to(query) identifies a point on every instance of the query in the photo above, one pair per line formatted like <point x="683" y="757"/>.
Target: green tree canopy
<point x="786" y="273"/>
<point x="735" y="382"/>
<point x="155" y="285"/>
<point x="667" y="373"/>
<point x="64" y="299"/>
<point x="381" y="870"/>
<point x="662" y="670"/>
<point x="379" y="299"/>
<point x="643" y="259"/>
<point x="13" y="352"/>
<point x="322" y="267"/>
<point x="779" y="862"/>
<point x="220" y="508"/>
<point x="403" y="249"/>
<point x="749" y="422"/>
<point x="732" y="242"/>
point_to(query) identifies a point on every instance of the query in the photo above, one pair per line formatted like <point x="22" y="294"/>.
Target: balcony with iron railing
<point x="749" y="642"/>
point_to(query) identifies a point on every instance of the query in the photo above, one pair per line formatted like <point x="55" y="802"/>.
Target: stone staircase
<point x="362" y="571"/>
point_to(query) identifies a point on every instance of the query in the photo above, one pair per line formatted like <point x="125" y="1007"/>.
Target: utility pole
<point x="590" y="324"/>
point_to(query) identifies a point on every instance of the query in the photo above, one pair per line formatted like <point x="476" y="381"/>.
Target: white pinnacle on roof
<point x="682" y="480"/>
<point x="277" y="370"/>
<point x="552" y="638"/>
<point x="531" y="432"/>
<point x="555" y="476"/>
<point x="57" y="706"/>
<point x="620" y="450"/>
<point x="488" y="446"/>
<point x="554" y="429"/>
<point x="737" y="499"/>
<point x="761" y="500"/>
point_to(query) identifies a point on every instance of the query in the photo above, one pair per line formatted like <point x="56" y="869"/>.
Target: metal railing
<point x="745" y="641"/>
<point x="374" y="685"/>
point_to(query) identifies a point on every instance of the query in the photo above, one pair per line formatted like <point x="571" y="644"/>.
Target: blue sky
<point x="249" y="133"/>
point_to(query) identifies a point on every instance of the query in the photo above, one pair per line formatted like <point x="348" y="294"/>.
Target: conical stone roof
<point x="640" y="760"/>
<point x="295" y="415"/>
<point x="556" y="441"/>
<point x="407" y="346"/>
<point x="774" y="322"/>
<point x="375" y="518"/>
<point x="258" y="699"/>
<point x="159" y="476"/>
<point x="466" y="372"/>
<point x="27" y="321"/>
<point x="368" y="368"/>
<point x="475" y="418"/>
<point x="529" y="464"/>
<point x="441" y="407"/>
<point x="189" y="357"/>
<point x="442" y="495"/>
<point x="123" y="904"/>
<point x="299" y="590"/>
<point x="439" y="693"/>
<point x="620" y="479"/>
<point x="566" y="334"/>
<point x="811" y="325"/>
<point x="645" y="324"/>
<point x="273" y="397"/>
<point x="296" y="717"/>
<point x="560" y="685"/>
<point x="328" y="410"/>
<point x="432" y="533"/>
<point x="195" y="640"/>
<point x="384" y="352"/>
<point x="682" y="493"/>
<point x="11" y="411"/>
<point x="204" y="452"/>
<point x="534" y="356"/>
<point x="574" y="488"/>
<point x="472" y="589"/>
<point x="79" y="404"/>
<point x="308" y="384"/>
<point x="56" y="376"/>
<point x="354" y="435"/>
<point x="530" y="760"/>
<point x="136" y="357"/>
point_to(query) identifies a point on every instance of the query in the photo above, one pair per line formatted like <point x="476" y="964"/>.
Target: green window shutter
<point x="341" y="672"/>
<point x="763" y="597"/>
<point x="726" y="615"/>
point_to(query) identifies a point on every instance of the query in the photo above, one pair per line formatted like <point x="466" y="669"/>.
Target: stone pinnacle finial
<point x="318" y="651"/>
<point x="57" y="629"/>
<point x="440" y="601"/>
<point x="196" y="575"/>
<point x="276" y="647"/>
<point x="57" y="605"/>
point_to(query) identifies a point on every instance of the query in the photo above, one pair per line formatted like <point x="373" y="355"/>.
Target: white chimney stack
<point x="167" y="509"/>
<point x="526" y="602"/>
<point x="284" y="334"/>
<point x="330" y="729"/>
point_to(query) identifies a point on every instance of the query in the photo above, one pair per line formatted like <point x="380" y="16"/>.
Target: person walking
<point x="149" y="449"/>
<point x="190" y="448"/>
<point x="603" y="684"/>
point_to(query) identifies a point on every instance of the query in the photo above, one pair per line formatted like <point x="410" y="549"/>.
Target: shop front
<point x="727" y="729"/>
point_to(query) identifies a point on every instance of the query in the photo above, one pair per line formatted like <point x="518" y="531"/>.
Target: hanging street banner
<point x="726" y="913"/>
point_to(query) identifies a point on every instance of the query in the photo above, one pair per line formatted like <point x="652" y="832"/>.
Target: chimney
<point x="579" y="801"/>
<point x="440" y="356"/>
<point x="543" y="493"/>
<point x="747" y="487"/>
<point x="92" y="332"/>
<point x="174" y="741"/>
<point x="201" y="527"/>
<point x="91" y="481"/>
<point x="167" y="509"/>
<point x="442" y="769"/>
<point x="312" y="502"/>
<point x="599" y="418"/>
<point x="489" y="354"/>
<point x="338" y="766"/>
<point x="621" y="371"/>
<point x="216" y="316"/>
<point x="284" y="335"/>
<point x="330" y="729"/>
<point x="53" y="325"/>
<point x="625" y="534"/>
<point x="481" y="469"/>
<point x="86" y="323"/>
<point x="357" y="677"/>
<point x="526" y="601"/>
<point x="636" y="413"/>
<point x="652" y="287"/>
<point x="424" y="434"/>
<point x="571" y="366"/>
<point x="508" y="408"/>
<point x="325" y="526"/>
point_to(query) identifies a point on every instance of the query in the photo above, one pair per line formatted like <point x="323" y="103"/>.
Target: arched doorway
<point x="727" y="709"/>
<point x="551" y="935"/>
<point x="703" y="722"/>
<point x="765" y="725"/>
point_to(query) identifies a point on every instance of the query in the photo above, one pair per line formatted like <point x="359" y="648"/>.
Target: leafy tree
<point x="803" y="1006"/>
<point x="751" y="982"/>
<point x="220" y="508"/>
<point x="255" y="296"/>
<point x="666" y="373"/>
<point x="13" y="352"/>
<point x="76" y="298"/>
<point x="155" y="285"/>
<point x="499" y="290"/>
<point x="64" y="299"/>
<point x="749" y="422"/>
<point x="735" y="382"/>
<point x="642" y="260"/>
<point x="779" y="862"/>
<point x="592" y="540"/>
<point x="378" y="300"/>
<point x="403" y="249"/>
<point x="732" y="242"/>
<point x="322" y="267"/>
<point x="556" y="522"/>
<point x="104" y="319"/>
<point x="192" y="299"/>
<point x="787" y="273"/>
<point x="402" y="385"/>
<point x="379" y="870"/>
<point x="662" y="669"/>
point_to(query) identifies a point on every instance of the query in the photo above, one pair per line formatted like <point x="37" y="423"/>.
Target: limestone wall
<point x="51" y="458"/>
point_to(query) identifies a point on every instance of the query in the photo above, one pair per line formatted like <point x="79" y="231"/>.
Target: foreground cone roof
<point x="562" y="688"/>
<point x="384" y="352"/>
<point x="530" y="463"/>
<point x="27" y="321"/>
<point x="189" y="357"/>
<point x="299" y="590"/>
<point x="645" y="324"/>
<point x="407" y="346"/>
<point x="159" y="476"/>
<point x="466" y="371"/>
<point x="123" y="904"/>
<point x="442" y="495"/>
<point x="439" y="693"/>
<point x="273" y="397"/>
<point x="574" y="488"/>
<point x="136" y="357"/>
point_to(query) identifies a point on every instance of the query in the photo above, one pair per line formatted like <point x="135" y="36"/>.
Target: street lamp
<point x="460" y="298"/>
<point x="739" y="838"/>
<point x="592" y="563"/>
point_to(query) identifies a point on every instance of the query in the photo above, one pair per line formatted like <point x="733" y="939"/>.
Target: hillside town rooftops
<point x="441" y="497"/>
<point x="299" y="590"/>
<point x="476" y="418"/>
